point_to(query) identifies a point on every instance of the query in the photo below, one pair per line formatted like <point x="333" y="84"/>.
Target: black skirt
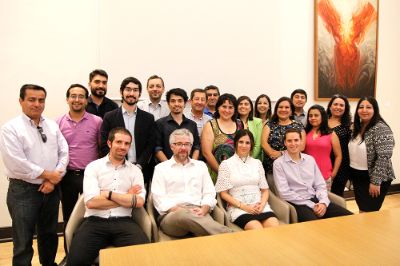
<point x="243" y="219"/>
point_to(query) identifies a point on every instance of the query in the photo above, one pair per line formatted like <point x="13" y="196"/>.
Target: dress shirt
<point x="102" y="175"/>
<point x="302" y="118"/>
<point x="25" y="155"/>
<point x="166" y="125"/>
<point x="83" y="139"/>
<point x="130" y="120"/>
<point x="199" y="121"/>
<point x="176" y="184"/>
<point x="208" y="112"/>
<point x="158" y="110"/>
<point x="106" y="105"/>
<point x="298" y="182"/>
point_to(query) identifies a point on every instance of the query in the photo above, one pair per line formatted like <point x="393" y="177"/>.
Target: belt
<point x="76" y="171"/>
<point x="97" y="218"/>
<point x="20" y="181"/>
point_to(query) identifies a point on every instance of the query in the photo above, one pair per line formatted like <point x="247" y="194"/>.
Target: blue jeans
<point x="29" y="210"/>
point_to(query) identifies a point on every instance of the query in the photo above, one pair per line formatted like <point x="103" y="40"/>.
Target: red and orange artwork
<point x="346" y="47"/>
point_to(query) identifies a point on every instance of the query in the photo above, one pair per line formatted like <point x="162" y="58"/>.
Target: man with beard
<point x="176" y="99"/>
<point x="82" y="132"/>
<point x="138" y="122"/>
<point x="154" y="105"/>
<point x="183" y="192"/>
<point x="98" y="103"/>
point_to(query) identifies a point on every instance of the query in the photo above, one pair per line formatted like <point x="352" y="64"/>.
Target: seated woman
<point x="241" y="183"/>
<point x="320" y="143"/>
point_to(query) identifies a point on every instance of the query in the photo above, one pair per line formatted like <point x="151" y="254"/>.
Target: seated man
<point x="112" y="186"/>
<point x="183" y="192"/>
<point x="299" y="181"/>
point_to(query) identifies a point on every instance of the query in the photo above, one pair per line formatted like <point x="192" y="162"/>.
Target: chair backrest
<point x="75" y="220"/>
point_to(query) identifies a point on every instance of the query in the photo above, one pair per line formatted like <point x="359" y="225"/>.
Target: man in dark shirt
<point x="176" y="99"/>
<point x="98" y="103"/>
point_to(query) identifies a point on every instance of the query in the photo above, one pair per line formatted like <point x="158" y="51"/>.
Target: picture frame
<point x="346" y="46"/>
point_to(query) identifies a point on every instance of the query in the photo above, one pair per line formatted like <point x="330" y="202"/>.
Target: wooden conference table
<point x="361" y="239"/>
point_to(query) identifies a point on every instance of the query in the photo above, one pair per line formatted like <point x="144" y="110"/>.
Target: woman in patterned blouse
<point x="370" y="149"/>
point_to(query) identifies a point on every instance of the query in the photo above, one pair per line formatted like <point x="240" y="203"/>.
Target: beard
<point x="98" y="92"/>
<point x="131" y="101"/>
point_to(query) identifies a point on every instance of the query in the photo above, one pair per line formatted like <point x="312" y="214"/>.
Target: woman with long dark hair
<point x="370" y="148"/>
<point x="262" y="108"/>
<point x="339" y="119"/>
<point x="321" y="141"/>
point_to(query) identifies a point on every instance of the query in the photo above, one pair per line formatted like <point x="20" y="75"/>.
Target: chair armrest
<point x="218" y="215"/>
<point x="280" y="208"/>
<point x="150" y="211"/>
<point x="143" y="220"/>
<point x="293" y="214"/>
<point x="337" y="199"/>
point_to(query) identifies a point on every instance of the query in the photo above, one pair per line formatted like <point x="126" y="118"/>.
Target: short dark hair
<point x="76" y="85"/>
<point x="269" y="112"/>
<point x="96" y="72"/>
<point x="212" y="87"/>
<point x="241" y="133"/>
<point x="375" y="118"/>
<point x="299" y="91"/>
<point x="22" y="91"/>
<point x="323" y="127"/>
<point x="246" y="98"/>
<point x="154" y="77"/>
<point x="178" y="92"/>
<point x="197" y="90"/>
<point x="275" y="117"/>
<point x="223" y="98"/>
<point x="346" y="117"/>
<point x="292" y="130"/>
<point x="115" y="130"/>
<point x="128" y="80"/>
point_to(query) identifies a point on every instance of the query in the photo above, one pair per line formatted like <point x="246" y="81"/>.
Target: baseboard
<point x="6" y="233"/>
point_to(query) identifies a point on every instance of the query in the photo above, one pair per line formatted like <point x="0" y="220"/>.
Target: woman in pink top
<point x="321" y="141"/>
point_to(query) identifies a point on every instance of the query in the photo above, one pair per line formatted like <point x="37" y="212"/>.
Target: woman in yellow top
<point x="254" y="124"/>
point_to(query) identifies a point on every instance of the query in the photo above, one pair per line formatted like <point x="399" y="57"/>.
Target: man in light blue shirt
<point x="299" y="181"/>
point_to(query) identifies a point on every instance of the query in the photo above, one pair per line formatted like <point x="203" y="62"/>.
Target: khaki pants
<point x="183" y="221"/>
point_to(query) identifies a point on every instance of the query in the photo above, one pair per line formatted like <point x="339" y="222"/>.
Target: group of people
<point x="183" y="156"/>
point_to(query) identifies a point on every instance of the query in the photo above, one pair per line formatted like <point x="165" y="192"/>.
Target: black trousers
<point x="305" y="213"/>
<point x="365" y="202"/>
<point x="96" y="233"/>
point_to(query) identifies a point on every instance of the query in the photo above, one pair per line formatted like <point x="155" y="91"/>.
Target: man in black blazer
<point x="139" y="123"/>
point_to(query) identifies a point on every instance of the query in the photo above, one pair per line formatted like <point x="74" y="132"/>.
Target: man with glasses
<point x="176" y="99"/>
<point x="35" y="156"/>
<point x="212" y="94"/>
<point x="138" y="122"/>
<point x="82" y="132"/>
<point x="98" y="103"/>
<point x="183" y="192"/>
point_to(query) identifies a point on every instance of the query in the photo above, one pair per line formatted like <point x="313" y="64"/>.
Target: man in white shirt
<point x="112" y="186"/>
<point x="35" y="156"/>
<point x="183" y="192"/>
<point x="154" y="105"/>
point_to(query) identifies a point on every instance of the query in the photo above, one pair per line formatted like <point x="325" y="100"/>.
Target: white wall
<point x="245" y="47"/>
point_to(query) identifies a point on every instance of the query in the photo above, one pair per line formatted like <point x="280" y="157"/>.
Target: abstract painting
<point x="346" y="34"/>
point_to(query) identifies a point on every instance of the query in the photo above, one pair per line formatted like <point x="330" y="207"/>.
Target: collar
<point x="175" y="163"/>
<point x="195" y="117"/>
<point x="108" y="161"/>
<point x="287" y="158"/>
<point x="29" y="120"/>
<point x="85" y="116"/>
<point x="124" y="111"/>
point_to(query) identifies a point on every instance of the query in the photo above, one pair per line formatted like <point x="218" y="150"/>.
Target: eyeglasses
<point x="180" y="145"/>
<point x="80" y="97"/>
<point x="44" y="137"/>
<point x="129" y="90"/>
<point x="212" y="94"/>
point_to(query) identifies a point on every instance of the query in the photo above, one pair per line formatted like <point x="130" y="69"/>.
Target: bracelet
<point x="109" y="195"/>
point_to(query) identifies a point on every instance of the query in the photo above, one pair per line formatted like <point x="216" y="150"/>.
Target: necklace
<point x="244" y="159"/>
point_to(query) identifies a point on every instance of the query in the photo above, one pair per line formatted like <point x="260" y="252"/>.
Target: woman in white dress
<point x="241" y="183"/>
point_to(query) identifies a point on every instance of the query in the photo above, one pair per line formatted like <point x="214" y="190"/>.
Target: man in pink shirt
<point x="82" y="132"/>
